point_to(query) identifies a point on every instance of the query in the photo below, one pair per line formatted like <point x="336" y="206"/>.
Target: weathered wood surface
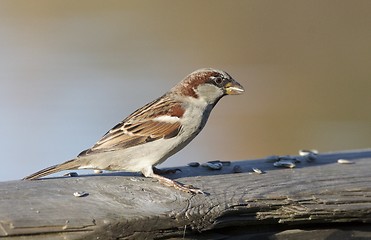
<point x="321" y="198"/>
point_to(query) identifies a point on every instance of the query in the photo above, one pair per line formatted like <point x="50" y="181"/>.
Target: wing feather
<point x="141" y="127"/>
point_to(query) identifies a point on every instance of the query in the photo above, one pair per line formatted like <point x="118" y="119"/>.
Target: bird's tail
<point x="71" y="164"/>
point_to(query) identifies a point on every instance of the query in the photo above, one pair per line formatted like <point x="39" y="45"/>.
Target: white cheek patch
<point x="209" y="92"/>
<point x="168" y="119"/>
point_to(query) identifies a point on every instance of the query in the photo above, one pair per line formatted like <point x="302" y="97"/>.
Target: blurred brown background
<point x="70" y="70"/>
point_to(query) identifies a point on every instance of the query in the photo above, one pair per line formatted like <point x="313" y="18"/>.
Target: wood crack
<point x="315" y="193"/>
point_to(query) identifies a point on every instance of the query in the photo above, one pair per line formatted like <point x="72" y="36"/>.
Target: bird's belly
<point x="134" y="159"/>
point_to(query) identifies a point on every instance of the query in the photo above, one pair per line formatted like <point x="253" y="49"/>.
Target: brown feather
<point x="71" y="164"/>
<point x="140" y="127"/>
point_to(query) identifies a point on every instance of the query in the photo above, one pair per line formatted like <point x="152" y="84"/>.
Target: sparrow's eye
<point x="218" y="81"/>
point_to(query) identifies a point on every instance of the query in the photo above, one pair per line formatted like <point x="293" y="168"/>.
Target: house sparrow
<point x="158" y="130"/>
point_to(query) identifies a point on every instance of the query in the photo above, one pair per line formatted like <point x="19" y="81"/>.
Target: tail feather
<point x="71" y="164"/>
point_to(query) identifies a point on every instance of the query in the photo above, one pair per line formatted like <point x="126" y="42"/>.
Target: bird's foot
<point x="171" y="183"/>
<point x="165" y="171"/>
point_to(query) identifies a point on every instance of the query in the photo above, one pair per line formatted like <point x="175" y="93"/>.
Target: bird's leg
<point x="171" y="183"/>
<point x="165" y="171"/>
<point x="148" y="172"/>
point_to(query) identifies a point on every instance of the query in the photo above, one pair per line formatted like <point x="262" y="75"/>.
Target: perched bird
<point x="156" y="131"/>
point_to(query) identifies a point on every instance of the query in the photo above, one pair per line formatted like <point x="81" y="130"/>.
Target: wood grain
<point x="321" y="197"/>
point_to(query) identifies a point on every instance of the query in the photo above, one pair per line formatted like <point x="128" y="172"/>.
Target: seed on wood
<point x="305" y="152"/>
<point x="80" y="194"/>
<point x="71" y="174"/>
<point x="284" y="163"/>
<point x="193" y="164"/>
<point x="257" y="170"/>
<point x="289" y="158"/>
<point x="213" y="166"/>
<point x="237" y="169"/>
<point x="224" y="163"/>
<point x="345" y="161"/>
<point x="292" y="159"/>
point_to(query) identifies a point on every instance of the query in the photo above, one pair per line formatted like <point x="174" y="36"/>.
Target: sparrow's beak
<point x="233" y="88"/>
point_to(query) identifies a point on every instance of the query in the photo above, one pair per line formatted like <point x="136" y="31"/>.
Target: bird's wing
<point x="156" y="120"/>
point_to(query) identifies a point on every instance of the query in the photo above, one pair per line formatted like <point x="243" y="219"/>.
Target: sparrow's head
<point x="208" y="84"/>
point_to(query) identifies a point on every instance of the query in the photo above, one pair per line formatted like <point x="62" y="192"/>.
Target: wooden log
<point x="323" y="198"/>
